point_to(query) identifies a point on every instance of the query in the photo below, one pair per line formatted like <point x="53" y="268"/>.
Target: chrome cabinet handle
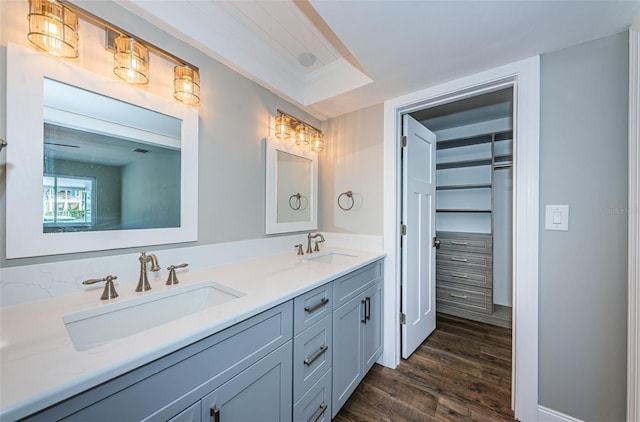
<point x="458" y="296"/>
<point x="323" y="349"/>
<point x="459" y="275"/>
<point x="319" y="412"/>
<point x="455" y="258"/>
<point x="367" y="308"/>
<point x="457" y="242"/>
<point x="215" y="414"/>
<point x="318" y="305"/>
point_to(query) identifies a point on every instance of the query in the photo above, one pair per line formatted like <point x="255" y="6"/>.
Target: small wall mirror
<point x="292" y="188"/>
<point x="94" y="163"/>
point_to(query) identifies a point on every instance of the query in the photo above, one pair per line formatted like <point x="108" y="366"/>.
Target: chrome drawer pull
<point x="319" y="412"/>
<point x="455" y="258"/>
<point x="458" y="296"/>
<point x="456" y="242"/>
<point x="318" y="305"/>
<point x="323" y="349"/>
<point x="459" y="275"/>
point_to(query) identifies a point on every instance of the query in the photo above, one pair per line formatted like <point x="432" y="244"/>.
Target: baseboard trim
<point x="549" y="415"/>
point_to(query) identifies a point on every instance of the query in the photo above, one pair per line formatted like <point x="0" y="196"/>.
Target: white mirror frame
<point x="26" y="71"/>
<point x="273" y="145"/>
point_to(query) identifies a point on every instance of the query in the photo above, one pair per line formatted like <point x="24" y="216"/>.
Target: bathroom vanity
<point x="293" y="344"/>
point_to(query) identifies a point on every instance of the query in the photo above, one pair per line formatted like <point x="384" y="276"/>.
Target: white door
<point x="418" y="253"/>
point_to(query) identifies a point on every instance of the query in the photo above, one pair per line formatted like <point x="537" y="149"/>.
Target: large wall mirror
<point x="292" y="188"/>
<point x="94" y="163"/>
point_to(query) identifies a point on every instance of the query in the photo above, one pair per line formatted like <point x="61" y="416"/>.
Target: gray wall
<point x="583" y="272"/>
<point x="235" y="114"/>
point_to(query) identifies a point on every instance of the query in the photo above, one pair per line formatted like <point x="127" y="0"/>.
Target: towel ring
<point x="349" y="195"/>
<point x="297" y="201"/>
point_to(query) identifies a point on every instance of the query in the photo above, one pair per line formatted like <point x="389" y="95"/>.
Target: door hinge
<point x="403" y="141"/>
<point x="403" y="318"/>
<point x="403" y="229"/>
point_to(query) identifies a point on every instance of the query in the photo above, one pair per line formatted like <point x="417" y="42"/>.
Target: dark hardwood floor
<point x="462" y="372"/>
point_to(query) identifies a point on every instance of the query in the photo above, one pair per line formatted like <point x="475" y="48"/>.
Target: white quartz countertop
<point x="39" y="365"/>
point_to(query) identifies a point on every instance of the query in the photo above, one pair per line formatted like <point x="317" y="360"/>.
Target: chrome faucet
<point x="315" y="236"/>
<point x="143" y="281"/>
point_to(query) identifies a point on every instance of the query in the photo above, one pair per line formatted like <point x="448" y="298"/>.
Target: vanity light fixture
<point x="131" y="61"/>
<point x="186" y="84"/>
<point x="303" y="133"/>
<point x="53" y="27"/>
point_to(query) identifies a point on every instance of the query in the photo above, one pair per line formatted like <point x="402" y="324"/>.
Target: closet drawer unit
<point x="471" y="278"/>
<point x="465" y="297"/>
<point x="311" y="307"/>
<point x="465" y="242"/>
<point x="459" y="261"/>
<point x="312" y="356"/>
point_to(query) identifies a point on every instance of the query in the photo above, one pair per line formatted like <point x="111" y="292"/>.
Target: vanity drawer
<point x="463" y="276"/>
<point x="312" y="356"/>
<point x="315" y="406"/>
<point x="465" y="242"/>
<point x="459" y="261"/>
<point x="349" y="286"/>
<point x="465" y="297"/>
<point x="311" y="307"/>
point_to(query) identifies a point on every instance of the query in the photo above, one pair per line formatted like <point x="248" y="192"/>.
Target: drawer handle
<point x="458" y="296"/>
<point x="455" y="258"/>
<point x="319" y="412"/>
<point x="215" y="414"/>
<point x="318" y="305"/>
<point x="367" y="308"/>
<point x="323" y="349"/>
<point x="459" y="275"/>
<point x="457" y="242"/>
<point x="363" y="302"/>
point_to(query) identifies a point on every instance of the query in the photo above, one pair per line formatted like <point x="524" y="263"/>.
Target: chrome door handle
<point x="318" y="305"/>
<point x="323" y="349"/>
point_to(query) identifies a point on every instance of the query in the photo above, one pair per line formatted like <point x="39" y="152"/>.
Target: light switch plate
<point x="557" y="217"/>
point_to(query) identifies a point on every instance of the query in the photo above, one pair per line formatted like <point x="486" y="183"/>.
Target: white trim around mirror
<point x="272" y="226"/>
<point x="26" y="71"/>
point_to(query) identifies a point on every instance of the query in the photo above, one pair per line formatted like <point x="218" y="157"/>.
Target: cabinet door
<point x="191" y="414"/>
<point x="260" y="393"/>
<point x="347" y="350"/>
<point x="372" y="330"/>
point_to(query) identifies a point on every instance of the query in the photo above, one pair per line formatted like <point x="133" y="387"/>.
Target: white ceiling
<point x="370" y="51"/>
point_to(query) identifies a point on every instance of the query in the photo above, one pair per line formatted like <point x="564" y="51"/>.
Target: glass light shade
<point x="53" y="28"/>
<point x="283" y="127"/>
<point x="302" y="135"/>
<point x="317" y="142"/>
<point x="186" y="85"/>
<point x="131" y="61"/>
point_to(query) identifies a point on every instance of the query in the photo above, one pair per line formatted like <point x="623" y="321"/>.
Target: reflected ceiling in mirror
<point x="66" y="125"/>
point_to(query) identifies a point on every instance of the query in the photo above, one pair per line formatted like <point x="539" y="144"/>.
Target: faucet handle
<point x="299" y="246"/>
<point x="109" y="291"/>
<point x="173" y="278"/>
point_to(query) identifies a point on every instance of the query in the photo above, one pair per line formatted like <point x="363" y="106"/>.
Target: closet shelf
<point x="464" y="163"/>
<point x="474" y="140"/>
<point x="457" y="210"/>
<point x="470" y="186"/>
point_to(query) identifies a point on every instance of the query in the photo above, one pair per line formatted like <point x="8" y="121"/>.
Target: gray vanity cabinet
<point x="170" y="386"/>
<point x="260" y="393"/>
<point x="357" y="330"/>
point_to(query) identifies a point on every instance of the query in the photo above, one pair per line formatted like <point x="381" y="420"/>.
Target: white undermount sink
<point x="93" y="327"/>
<point x="332" y="257"/>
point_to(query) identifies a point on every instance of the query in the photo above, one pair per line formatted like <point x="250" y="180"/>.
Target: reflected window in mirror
<point x="66" y="202"/>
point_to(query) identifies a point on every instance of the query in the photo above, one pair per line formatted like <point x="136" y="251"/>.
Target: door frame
<point x="633" y="215"/>
<point x="524" y="77"/>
